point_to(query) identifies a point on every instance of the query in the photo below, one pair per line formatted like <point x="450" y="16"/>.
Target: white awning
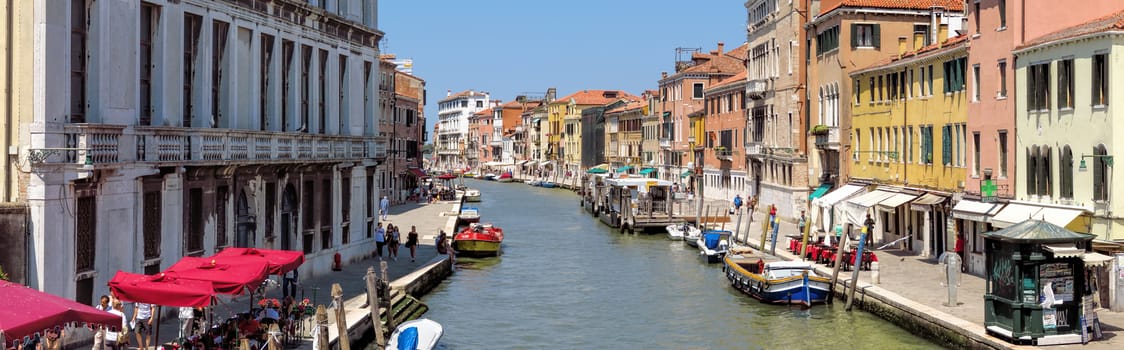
<point x="1096" y="259"/>
<point x="492" y="163"/>
<point x="1058" y="216"/>
<point x="1014" y="213"/>
<point x="974" y="211"/>
<point x="1064" y="250"/>
<point x="839" y="194"/>
<point x="856" y="207"/>
<point x="926" y="202"/>
<point x="893" y="202"/>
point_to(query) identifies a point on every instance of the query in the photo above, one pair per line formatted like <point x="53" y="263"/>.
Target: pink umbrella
<point x="27" y="311"/>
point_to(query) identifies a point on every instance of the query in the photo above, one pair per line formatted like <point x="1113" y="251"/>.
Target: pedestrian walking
<point x="290" y="283"/>
<point x="869" y="224"/>
<point x="960" y="250"/>
<point x="392" y="241"/>
<point x="118" y="340"/>
<point x="385" y="206"/>
<point x="737" y="202"/>
<point x="142" y="319"/>
<point x="380" y="240"/>
<point x="802" y="222"/>
<point x="412" y="242"/>
<point x="186" y="317"/>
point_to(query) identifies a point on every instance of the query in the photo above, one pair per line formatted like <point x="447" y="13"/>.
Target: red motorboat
<point x="478" y="240"/>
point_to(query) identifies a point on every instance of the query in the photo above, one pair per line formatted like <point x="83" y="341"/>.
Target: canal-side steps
<point x="403" y="307"/>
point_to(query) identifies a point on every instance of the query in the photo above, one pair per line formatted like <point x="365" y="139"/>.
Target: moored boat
<point x="547" y="184"/>
<point x="478" y="240"/>
<point x="506" y="177"/>
<point x="533" y="182"/>
<point x="679" y="232"/>
<point x="420" y="334"/>
<point x="469" y="215"/>
<point x="773" y="281"/>
<point x="692" y="236"/>
<point x="471" y="195"/>
<point x="713" y="245"/>
<point x="490" y="177"/>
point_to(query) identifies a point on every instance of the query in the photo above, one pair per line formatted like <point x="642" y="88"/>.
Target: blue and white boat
<point x="776" y="282"/>
<point x="419" y="334"/>
<point x="713" y="245"/>
<point x="547" y="184"/>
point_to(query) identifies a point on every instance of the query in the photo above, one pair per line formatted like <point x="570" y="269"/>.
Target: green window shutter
<point x="946" y="145"/>
<point x="854" y="35"/>
<point x="876" y="35"/>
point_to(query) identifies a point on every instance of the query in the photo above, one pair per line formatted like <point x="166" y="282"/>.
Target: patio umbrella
<point x="228" y="275"/>
<point x="161" y="289"/>
<point x="447" y="177"/>
<point x="27" y="311"/>
<point x="279" y="261"/>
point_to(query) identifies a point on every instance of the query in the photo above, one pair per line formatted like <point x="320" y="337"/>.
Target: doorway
<point x="288" y="208"/>
<point x="246" y="225"/>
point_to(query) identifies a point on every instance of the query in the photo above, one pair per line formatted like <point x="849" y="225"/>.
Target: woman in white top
<point x="111" y="337"/>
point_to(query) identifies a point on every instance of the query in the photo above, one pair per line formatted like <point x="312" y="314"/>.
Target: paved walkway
<point x="429" y="219"/>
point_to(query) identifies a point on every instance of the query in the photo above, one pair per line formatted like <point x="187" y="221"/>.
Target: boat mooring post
<point x="374" y="303"/>
<point x="738" y="226"/>
<point x="390" y="324"/>
<point x="858" y="265"/>
<point x="804" y="242"/>
<point x="765" y="232"/>
<point x="838" y="261"/>
<point x="341" y="317"/>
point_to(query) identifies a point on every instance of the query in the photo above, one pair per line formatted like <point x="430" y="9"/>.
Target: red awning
<point x="418" y="172"/>
<point x="228" y="275"/>
<point x="161" y="289"/>
<point x="280" y="261"/>
<point x="27" y="311"/>
<point x="447" y="177"/>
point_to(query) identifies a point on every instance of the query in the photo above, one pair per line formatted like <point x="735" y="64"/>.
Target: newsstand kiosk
<point x="1035" y="283"/>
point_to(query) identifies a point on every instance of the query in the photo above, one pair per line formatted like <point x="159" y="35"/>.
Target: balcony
<point x="827" y="137"/>
<point x="724" y="154"/>
<point x="756" y="88"/>
<point x="163" y="146"/>
<point x="754" y="149"/>
<point x="665" y="144"/>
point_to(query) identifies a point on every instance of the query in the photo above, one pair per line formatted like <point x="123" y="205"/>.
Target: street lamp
<point x="1082" y="167"/>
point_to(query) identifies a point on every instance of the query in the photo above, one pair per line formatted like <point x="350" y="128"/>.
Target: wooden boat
<point x="471" y="195"/>
<point x="713" y="245"/>
<point x="505" y="177"/>
<point x="679" y="232"/>
<point x="469" y="174"/>
<point x="478" y="240"/>
<point x="420" y="334"/>
<point x="773" y="281"/>
<point x="469" y="215"/>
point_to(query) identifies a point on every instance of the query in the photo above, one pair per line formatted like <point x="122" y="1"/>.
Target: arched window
<point x="1065" y="171"/>
<point x="1045" y="172"/>
<point x="1031" y="170"/>
<point x="1100" y="173"/>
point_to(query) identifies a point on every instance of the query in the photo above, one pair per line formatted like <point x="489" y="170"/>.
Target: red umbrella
<point x="161" y="289"/>
<point x="228" y="275"/>
<point x="280" y="261"/>
<point x="27" y="311"/>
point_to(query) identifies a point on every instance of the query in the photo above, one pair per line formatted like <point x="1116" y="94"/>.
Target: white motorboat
<point x="713" y="245"/>
<point x="419" y="334"/>
<point x="692" y="236"/>
<point x="679" y="232"/>
<point x="471" y="195"/>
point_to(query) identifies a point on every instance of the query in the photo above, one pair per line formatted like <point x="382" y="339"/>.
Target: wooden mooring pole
<point x="374" y="303"/>
<point x="341" y="317"/>
<point x="838" y="261"/>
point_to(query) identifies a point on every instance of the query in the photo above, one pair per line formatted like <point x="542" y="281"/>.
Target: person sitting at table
<point x="249" y="327"/>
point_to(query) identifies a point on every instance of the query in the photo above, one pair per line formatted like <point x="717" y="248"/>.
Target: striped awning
<point x="1064" y="250"/>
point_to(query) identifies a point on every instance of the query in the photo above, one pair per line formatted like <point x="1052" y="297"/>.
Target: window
<point x="909" y="144"/>
<point x="1002" y="153"/>
<point x="870" y="150"/>
<point x="1065" y="171"/>
<point x="697" y="90"/>
<point x="881" y="95"/>
<point x="194" y="238"/>
<point x="480" y="104"/>
<point x="872" y="90"/>
<point x="287" y="49"/>
<point x="923" y="91"/>
<point x="220" y="217"/>
<point x="1002" y="93"/>
<point x="865" y="35"/>
<point x="1038" y="87"/>
<point x="344" y="111"/>
<point x="1100" y="173"/>
<point x="191" y="25"/>
<point x="151" y="221"/>
<point x="926" y="145"/>
<point x="858" y="145"/>
<point x="954" y="75"/>
<point x="1045" y="171"/>
<point x="308" y="205"/>
<point x="1002" y="14"/>
<point x="85" y="233"/>
<point x="909" y="88"/>
<point x="976" y="16"/>
<point x="1032" y="170"/>
<point x="858" y="92"/>
<point x="827" y="40"/>
<point x="946" y="145"/>
<point x="78" y="33"/>
<point x="1100" y="79"/>
<point x="930" y="80"/>
<point x="264" y="94"/>
<point x="326" y="214"/>
<point x="322" y="103"/>
<point x="1065" y="83"/>
<point x="218" y="50"/>
<point x="270" y="204"/>
<point x="345" y="208"/>
<point x="921" y="35"/>
<point x="148" y="13"/>
<point x="976" y="82"/>
<point x="976" y="153"/>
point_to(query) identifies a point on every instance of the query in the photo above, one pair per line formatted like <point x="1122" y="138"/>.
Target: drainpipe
<point x="6" y="193"/>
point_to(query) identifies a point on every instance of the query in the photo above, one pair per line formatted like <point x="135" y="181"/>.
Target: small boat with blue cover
<point x="713" y="245"/>
<point x="419" y="334"/>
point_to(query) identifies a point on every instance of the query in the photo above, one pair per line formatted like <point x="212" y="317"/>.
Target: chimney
<point x="942" y="35"/>
<point x="901" y="46"/>
<point x="663" y="75"/>
<point x="721" y="47"/>
<point x="448" y="93"/>
<point x="551" y="94"/>
<point x="918" y="41"/>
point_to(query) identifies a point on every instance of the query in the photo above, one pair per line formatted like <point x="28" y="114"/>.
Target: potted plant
<point x="819" y="130"/>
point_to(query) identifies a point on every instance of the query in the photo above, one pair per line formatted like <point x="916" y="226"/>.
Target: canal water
<point x="566" y="281"/>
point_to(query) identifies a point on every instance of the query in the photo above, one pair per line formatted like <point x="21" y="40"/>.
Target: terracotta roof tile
<point x="740" y="77"/>
<point x="1113" y="21"/>
<point x="951" y="5"/>
<point x="740" y="52"/>
<point x="947" y="45"/>
<point x="597" y="97"/>
<point x="486" y="112"/>
<point x="631" y="105"/>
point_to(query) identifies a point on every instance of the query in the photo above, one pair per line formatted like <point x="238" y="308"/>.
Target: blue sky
<point x="508" y="48"/>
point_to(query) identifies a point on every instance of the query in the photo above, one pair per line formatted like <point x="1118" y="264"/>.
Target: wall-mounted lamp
<point x="1083" y="167"/>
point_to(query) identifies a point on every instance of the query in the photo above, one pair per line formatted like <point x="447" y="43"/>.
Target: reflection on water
<point x="565" y="281"/>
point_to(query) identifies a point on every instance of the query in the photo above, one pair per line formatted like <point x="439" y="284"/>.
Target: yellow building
<point x="16" y="106"/>
<point x="909" y="144"/>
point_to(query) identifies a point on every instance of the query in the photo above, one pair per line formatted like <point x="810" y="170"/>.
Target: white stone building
<point x="452" y="126"/>
<point x="170" y="128"/>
